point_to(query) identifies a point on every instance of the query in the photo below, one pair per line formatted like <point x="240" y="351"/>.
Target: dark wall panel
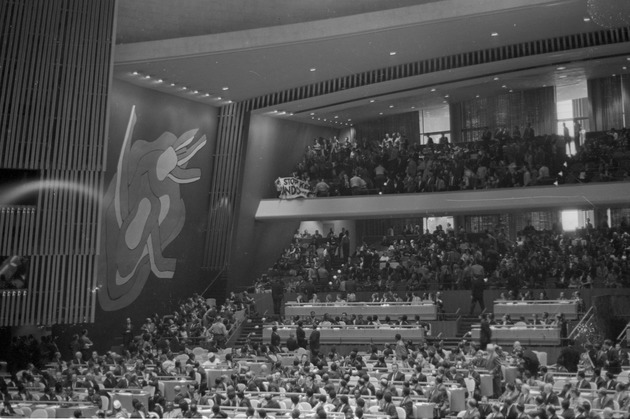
<point x="274" y="147"/>
<point x="154" y="214"/>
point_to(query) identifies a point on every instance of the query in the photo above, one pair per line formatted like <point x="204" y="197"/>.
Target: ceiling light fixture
<point x="313" y="69"/>
<point x="195" y="92"/>
<point x="446" y="96"/>
<point x="229" y="101"/>
<point x="391" y="106"/>
<point x="184" y="88"/>
<point x="561" y="68"/>
<point x="477" y="96"/>
<point x="413" y="107"/>
<point x="624" y="68"/>
<point x="433" y="90"/>
<point x="494" y="34"/>
<point x="219" y="98"/>
<point x="312" y="113"/>
<point x="135" y="73"/>
<point x="504" y="86"/>
<point x="392" y="53"/>
<point x="563" y="76"/>
<point x="587" y="19"/>
<point x="380" y="113"/>
<point x="349" y="119"/>
<point x="336" y="116"/>
<point x="496" y="78"/>
<point x="225" y="88"/>
<point x="206" y="95"/>
<point x="511" y="90"/>
<point x="371" y="100"/>
<point x="172" y="84"/>
<point x="159" y="80"/>
<point x="147" y="77"/>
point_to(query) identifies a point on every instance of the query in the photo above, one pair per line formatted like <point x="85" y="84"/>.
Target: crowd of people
<point x="446" y="259"/>
<point x="147" y="352"/>
<point x="499" y="160"/>
<point x="315" y="383"/>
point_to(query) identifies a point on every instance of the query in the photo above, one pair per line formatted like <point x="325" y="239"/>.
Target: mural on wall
<point x="143" y="213"/>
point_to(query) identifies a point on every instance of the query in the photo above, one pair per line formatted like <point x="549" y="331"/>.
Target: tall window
<point x="435" y="122"/>
<point x="574" y="219"/>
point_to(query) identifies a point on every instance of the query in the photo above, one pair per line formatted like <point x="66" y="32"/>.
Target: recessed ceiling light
<point x="371" y="100"/>
<point x="312" y="117"/>
<point x="172" y="84"/>
<point x="624" y="68"/>
<point x="494" y="34"/>
<point x="614" y="75"/>
<point x="561" y="68"/>
<point x="229" y="101"/>
<point x="184" y="88"/>
<point x="159" y="80"/>
<point x="349" y="119"/>
<point x="206" y="95"/>
<point x="587" y="19"/>
<point x="380" y="113"/>
<point x="147" y="77"/>
<point x="336" y="116"/>
<point x="544" y="85"/>
<point x="496" y="78"/>
<point x="446" y="95"/>
<point x="319" y="119"/>
<point x="433" y="90"/>
<point x="511" y="90"/>
<point x="313" y="69"/>
<point x="477" y="96"/>
<point x="195" y="92"/>
<point x="413" y="107"/>
<point x="392" y="53"/>
<point x="219" y="98"/>
<point x="324" y="119"/>
<point x="444" y="101"/>
<point x="275" y="111"/>
<point x="504" y="86"/>
<point x="312" y="113"/>
<point x="225" y="88"/>
<point x="135" y="73"/>
<point x="563" y="76"/>
<point x="391" y="106"/>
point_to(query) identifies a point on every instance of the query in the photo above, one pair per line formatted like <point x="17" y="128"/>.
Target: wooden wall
<point x="55" y="57"/>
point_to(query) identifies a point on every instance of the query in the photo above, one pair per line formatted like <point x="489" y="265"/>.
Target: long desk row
<point x="425" y="310"/>
<point x="527" y="308"/>
<point x="353" y="334"/>
<point x="529" y="335"/>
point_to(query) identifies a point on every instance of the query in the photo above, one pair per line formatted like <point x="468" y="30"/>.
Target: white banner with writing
<point x="291" y="188"/>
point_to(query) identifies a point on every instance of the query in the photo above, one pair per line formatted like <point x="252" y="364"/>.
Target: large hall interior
<point x="379" y="209"/>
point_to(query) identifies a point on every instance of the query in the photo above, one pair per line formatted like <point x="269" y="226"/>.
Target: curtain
<point x="407" y="124"/>
<point x="536" y="106"/>
<point x="605" y="103"/>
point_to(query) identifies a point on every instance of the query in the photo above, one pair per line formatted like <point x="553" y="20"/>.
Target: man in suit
<point x="388" y="407"/>
<point x="567" y="411"/>
<point x="292" y="343"/>
<point x="493" y="364"/>
<point x="603" y="400"/>
<point x="613" y="360"/>
<point x="275" y="340"/>
<point x="313" y="341"/>
<point x="610" y="384"/>
<point x="439" y="396"/>
<point x="301" y="335"/>
<point x="582" y="382"/>
<point x="395" y="375"/>
<point x="549" y="396"/>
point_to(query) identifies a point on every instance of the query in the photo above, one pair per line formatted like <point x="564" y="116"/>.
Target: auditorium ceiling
<point x="233" y="63"/>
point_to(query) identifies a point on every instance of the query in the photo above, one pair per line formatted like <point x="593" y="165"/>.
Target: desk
<point x="169" y="388"/>
<point x="126" y="397"/>
<point x="423" y="410"/>
<point x="86" y="411"/>
<point x="486" y="385"/>
<point x="458" y="399"/>
<point x="213" y="374"/>
<point x="528" y="335"/>
<point x="516" y="309"/>
<point x="426" y="311"/>
<point x="352" y="334"/>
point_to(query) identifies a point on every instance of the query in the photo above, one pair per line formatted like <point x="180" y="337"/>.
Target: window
<point x="575" y="219"/>
<point x="435" y="122"/>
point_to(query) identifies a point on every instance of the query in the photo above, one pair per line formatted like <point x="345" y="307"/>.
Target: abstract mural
<point x="143" y="212"/>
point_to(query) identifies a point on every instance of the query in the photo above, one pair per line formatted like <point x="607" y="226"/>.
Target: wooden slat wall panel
<point x="228" y="162"/>
<point x="55" y="57"/>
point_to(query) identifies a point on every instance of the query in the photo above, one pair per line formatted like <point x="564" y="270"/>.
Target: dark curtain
<point x="537" y="106"/>
<point x="407" y="124"/>
<point x="605" y="103"/>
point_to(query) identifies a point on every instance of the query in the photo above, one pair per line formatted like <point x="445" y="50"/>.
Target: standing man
<point x="345" y="246"/>
<point x="493" y="364"/>
<point x="277" y="294"/>
<point x="275" y="340"/>
<point x="300" y="334"/>
<point x="128" y="333"/>
<point x="478" y="287"/>
<point x="313" y="341"/>
<point x="485" y="333"/>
